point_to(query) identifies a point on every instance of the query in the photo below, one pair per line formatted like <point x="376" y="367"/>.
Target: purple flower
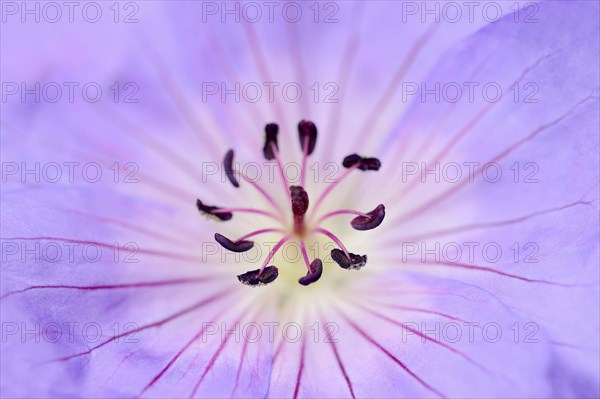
<point x="245" y="199"/>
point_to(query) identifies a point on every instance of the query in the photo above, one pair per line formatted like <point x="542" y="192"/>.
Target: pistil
<point x="299" y="207"/>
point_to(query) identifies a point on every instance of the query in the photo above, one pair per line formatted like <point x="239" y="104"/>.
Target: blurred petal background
<point x="481" y="282"/>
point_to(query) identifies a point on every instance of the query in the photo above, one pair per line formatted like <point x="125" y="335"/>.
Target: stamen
<point x="261" y="190"/>
<point x="271" y="131"/>
<point x="260" y="277"/>
<point x="315" y="269"/>
<point x="314" y="273"/>
<point x="300" y="204"/>
<point x="237" y="246"/>
<point x="299" y="199"/>
<point x="214" y="211"/>
<point x="228" y="165"/>
<point x="281" y="172"/>
<point x="330" y="188"/>
<point x="362" y="163"/>
<point x="340" y="212"/>
<point x="274" y="251"/>
<point x="257" y="232"/>
<point x="307" y="132"/>
<point x="334" y="238"/>
<point x="348" y="261"/>
<point x="225" y="214"/>
<point x="371" y="220"/>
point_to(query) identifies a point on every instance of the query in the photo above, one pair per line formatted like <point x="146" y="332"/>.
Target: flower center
<point x="299" y="199"/>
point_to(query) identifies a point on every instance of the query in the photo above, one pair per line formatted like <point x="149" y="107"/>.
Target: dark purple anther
<point x="253" y="278"/>
<point x="228" y="165"/>
<point x="213" y="211"/>
<point x="238" y="246"/>
<point x="316" y="269"/>
<point x="354" y="263"/>
<point x="307" y="131"/>
<point x="362" y="162"/>
<point x="371" y="221"/>
<point x="271" y="131"/>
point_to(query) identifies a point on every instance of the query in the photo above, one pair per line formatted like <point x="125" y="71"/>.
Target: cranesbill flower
<point x="280" y="199"/>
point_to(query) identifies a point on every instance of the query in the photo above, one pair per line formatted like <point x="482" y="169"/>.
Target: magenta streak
<point x="394" y="292"/>
<point x="501" y="273"/>
<point x="341" y="212"/>
<point x="263" y="192"/>
<point x="177" y="355"/>
<point x="230" y="73"/>
<point x="424" y="336"/>
<point x="214" y="358"/>
<point x="249" y="210"/>
<point x="571" y="346"/>
<point x="298" y="65"/>
<point x="305" y="255"/>
<point x="277" y="352"/>
<point x="421" y="310"/>
<point x="477" y="226"/>
<point x="335" y="239"/>
<point x="273" y="252"/>
<point x="163" y="187"/>
<point x="300" y="367"/>
<point x="160" y="148"/>
<point x="342" y="368"/>
<point x="304" y="160"/>
<point x="446" y="194"/>
<point x="257" y="232"/>
<point x="130" y="226"/>
<point x="371" y="340"/>
<point x="263" y="70"/>
<point x="240" y="365"/>
<point x="339" y="362"/>
<point x="391" y="88"/>
<point x="345" y="67"/>
<point x="463" y="132"/>
<point x="114" y="286"/>
<point x="331" y="187"/>
<point x="159" y="323"/>
<point x="181" y="100"/>
<point x="109" y="246"/>
<point x="284" y="179"/>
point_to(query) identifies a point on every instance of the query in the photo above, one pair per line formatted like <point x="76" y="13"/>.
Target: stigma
<point x="299" y="206"/>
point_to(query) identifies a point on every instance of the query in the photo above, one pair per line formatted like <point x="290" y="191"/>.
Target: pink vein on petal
<point x="446" y="194"/>
<point x="158" y="323"/>
<point x="339" y="361"/>
<point x="300" y="367"/>
<point x="172" y="255"/>
<point x="147" y="284"/>
<point x="373" y="342"/>
<point x="499" y="223"/>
